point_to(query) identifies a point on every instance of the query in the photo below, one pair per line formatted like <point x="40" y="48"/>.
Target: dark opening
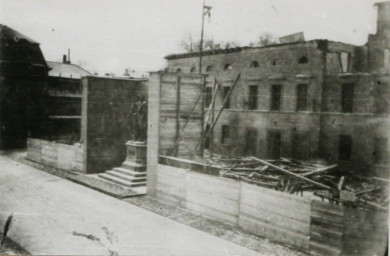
<point x="274" y="143"/>
<point x="347" y="98"/>
<point x="207" y="141"/>
<point x="225" y="134"/>
<point x="250" y="148"/>
<point x="226" y="90"/>
<point x="300" y="144"/>
<point x="193" y="69"/>
<point x="345" y="147"/>
<point x="274" y="62"/>
<point x="227" y="67"/>
<point x="381" y="153"/>
<point x="254" y="64"/>
<point x="208" y="96"/>
<point x="276" y="91"/>
<point x="178" y="70"/>
<point x="253" y="90"/>
<point x="209" y="68"/>
<point x="302" y="97"/>
<point x="303" y="60"/>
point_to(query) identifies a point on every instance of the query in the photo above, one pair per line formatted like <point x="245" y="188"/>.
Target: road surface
<point x="56" y="216"/>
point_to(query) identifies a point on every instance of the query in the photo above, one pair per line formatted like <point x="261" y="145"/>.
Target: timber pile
<point x="298" y="177"/>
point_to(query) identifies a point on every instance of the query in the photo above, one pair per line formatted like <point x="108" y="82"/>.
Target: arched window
<point x="209" y="68"/>
<point x="178" y="70"/>
<point x="227" y="67"/>
<point x="303" y="60"/>
<point x="193" y="69"/>
<point x="254" y="64"/>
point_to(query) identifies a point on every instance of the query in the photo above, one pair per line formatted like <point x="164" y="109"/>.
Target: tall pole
<point x="201" y="41"/>
<point x="203" y="80"/>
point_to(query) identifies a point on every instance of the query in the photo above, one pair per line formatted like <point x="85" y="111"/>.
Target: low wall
<point x="301" y="222"/>
<point x="61" y="156"/>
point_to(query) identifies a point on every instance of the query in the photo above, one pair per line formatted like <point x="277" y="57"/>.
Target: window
<point x="276" y="91"/>
<point x="302" y="97"/>
<point x="226" y="90"/>
<point x="254" y="64"/>
<point x="208" y="96"/>
<point x="209" y="68"/>
<point x="303" y="60"/>
<point x="381" y="153"/>
<point x="178" y="70"/>
<point x="225" y="134"/>
<point x="300" y="145"/>
<point x="274" y="62"/>
<point x="347" y="98"/>
<point x="250" y="148"/>
<point x="345" y="147"/>
<point x="227" y="67"/>
<point x="387" y="58"/>
<point x="274" y="143"/>
<point x="344" y="59"/>
<point x="193" y="70"/>
<point x="253" y="90"/>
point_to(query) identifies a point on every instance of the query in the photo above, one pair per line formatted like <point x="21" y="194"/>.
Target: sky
<point x="108" y="36"/>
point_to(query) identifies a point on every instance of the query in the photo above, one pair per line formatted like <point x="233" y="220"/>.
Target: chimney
<point x="64" y="58"/>
<point x="68" y="56"/>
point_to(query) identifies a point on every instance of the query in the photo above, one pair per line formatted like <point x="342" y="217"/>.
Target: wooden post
<point x="177" y="112"/>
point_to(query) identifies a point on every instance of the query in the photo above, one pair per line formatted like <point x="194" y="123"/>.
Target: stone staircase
<point x="129" y="175"/>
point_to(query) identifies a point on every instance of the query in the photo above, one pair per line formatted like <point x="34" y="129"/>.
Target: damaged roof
<point x="65" y="70"/>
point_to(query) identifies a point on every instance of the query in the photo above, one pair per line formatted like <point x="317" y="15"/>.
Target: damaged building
<point x="301" y="99"/>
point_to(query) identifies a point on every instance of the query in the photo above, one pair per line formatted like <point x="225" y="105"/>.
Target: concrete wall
<point x="61" y="156"/>
<point x="301" y="222"/>
<point x="105" y="124"/>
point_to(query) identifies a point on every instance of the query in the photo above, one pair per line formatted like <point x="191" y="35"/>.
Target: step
<point x="121" y="181"/>
<point x="129" y="172"/>
<point x="126" y="176"/>
<point x="134" y="166"/>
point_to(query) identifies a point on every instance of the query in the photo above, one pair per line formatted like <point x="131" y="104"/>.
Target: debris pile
<point x="297" y="177"/>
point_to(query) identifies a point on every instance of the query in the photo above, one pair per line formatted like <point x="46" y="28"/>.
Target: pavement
<point x="54" y="216"/>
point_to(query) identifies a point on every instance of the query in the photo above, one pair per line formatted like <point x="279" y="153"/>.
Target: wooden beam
<point x="319" y="171"/>
<point x="292" y="174"/>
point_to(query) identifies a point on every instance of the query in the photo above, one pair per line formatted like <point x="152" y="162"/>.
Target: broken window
<point x="208" y="96"/>
<point x="227" y="67"/>
<point x="225" y="134"/>
<point x="209" y="68"/>
<point x="276" y="91"/>
<point x="250" y="148"/>
<point x="347" y="98"/>
<point x="344" y="59"/>
<point x="193" y="69"/>
<point x="302" y="97"/>
<point x="254" y="64"/>
<point x="253" y="90"/>
<point x="381" y="153"/>
<point x="226" y="90"/>
<point x="274" y="143"/>
<point x="303" y="60"/>
<point x="345" y="147"/>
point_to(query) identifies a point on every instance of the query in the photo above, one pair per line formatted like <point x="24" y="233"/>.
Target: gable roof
<point x="59" y="69"/>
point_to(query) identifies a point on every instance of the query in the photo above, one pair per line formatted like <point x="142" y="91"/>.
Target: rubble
<point x="328" y="182"/>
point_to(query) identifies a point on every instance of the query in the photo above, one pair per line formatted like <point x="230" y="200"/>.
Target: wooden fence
<point x="301" y="222"/>
<point x="56" y="155"/>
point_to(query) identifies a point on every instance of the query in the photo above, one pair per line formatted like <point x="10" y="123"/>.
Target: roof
<point x="8" y="34"/>
<point x="59" y="69"/>
<point x="238" y="49"/>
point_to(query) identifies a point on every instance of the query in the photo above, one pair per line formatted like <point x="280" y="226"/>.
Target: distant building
<point x="303" y="99"/>
<point x="23" y="74"/>
<point x="64" y="106"/>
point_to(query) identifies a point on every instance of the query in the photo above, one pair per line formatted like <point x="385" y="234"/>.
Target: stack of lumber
<point x="296" y="177"/>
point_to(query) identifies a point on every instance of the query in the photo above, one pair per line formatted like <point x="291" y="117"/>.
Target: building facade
<point x="305" y="100"/>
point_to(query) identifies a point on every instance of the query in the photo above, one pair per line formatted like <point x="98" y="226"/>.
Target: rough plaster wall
<point x="106" y="120"/>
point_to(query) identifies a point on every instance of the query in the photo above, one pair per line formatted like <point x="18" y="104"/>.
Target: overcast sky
<point x="111" y="35"/>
